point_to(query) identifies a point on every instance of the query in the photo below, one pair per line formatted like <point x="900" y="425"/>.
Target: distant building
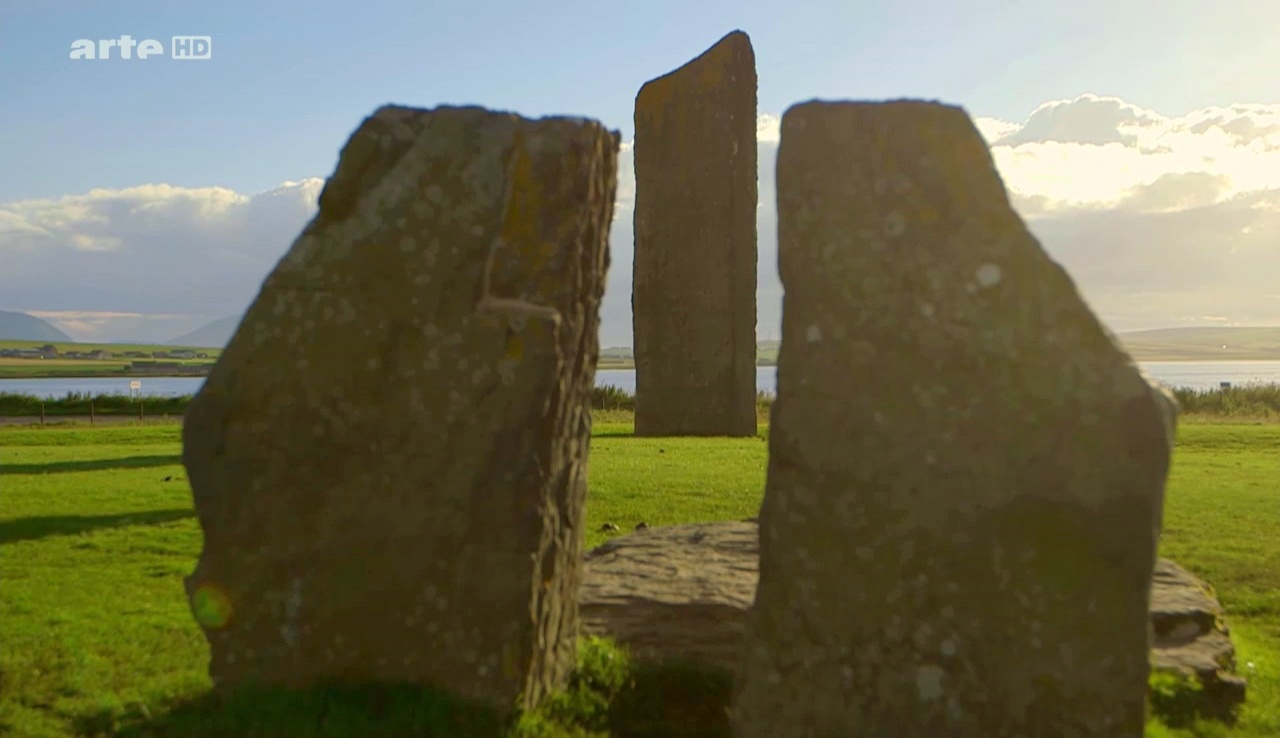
<point x="99" y="354"/>
<point x="182" y="354"/>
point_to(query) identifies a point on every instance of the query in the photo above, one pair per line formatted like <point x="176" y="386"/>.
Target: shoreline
<point x="82" y="421"/>
<point x="611" y="366"/>
<point x="104" y="375"/>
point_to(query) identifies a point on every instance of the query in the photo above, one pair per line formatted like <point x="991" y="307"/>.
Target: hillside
<point x="23" y="327"/>
<point x="216" y="334"/>
<point x="1203" y="344"/>
<point x="1165" y="344"/>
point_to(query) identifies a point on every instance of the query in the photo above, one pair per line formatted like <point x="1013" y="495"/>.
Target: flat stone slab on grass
<point x="681" y="593"/>
<point x="1191" y="636"/>
<point x="673" y="592"/>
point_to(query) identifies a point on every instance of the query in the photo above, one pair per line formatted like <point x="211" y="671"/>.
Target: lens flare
<point x="212" y="606"/>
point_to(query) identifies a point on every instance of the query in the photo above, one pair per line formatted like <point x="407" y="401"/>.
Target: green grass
<point x="82" y="404"/>
<point x="64" y="346"/>
<point x="97" y="531"/>
<point x="1254" y="402"/>
<point x="666" y="481"/>
<point x="15" y="368"/>
<point x="75" y="368"/>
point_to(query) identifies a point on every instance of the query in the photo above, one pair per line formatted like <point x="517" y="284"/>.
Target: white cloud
<point x="1099" y="152"/>
<point x="994" y="129"/>
<point x="111" y="256"/>
<point x="769" y="128"/>
<point x="1161" y="220"/>
<point x="1088" y="119"/>
<point x="626" y="196"/>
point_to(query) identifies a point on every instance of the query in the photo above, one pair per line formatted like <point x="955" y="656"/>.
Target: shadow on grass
<point x="62" y="467"/>
<point x="606" y="430"/>
<point x="31" y="529"/>
<point x="672" y="700"/>
<point x="607" y="692"/>
<point x="329" y="711"/>
<point x="627" y="698"/>
<point x="1182" y="702"/>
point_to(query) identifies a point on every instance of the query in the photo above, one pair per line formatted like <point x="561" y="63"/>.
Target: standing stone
<point x="966" y="474"/>
<point x="694" y="294"/>
<point x="389" y="458"/>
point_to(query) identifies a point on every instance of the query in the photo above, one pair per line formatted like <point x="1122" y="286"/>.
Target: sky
<point x="142" y="198"/>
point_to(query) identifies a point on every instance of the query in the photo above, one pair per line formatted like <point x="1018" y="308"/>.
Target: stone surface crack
<point x="509" y="305"/>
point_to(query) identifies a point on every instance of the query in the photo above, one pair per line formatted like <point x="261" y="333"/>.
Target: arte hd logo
<point x="183" y="48"/>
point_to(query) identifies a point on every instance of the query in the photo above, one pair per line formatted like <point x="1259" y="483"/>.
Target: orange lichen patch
<point x="212" y="606"/>
<point x="702" y="74"/>
<point x="520" y="222"/>
<point x="653" y="100"/>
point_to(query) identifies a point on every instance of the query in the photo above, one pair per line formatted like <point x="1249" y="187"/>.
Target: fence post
<point x="42" y="413"/>
<point x="90" y="412"/>
<point x="139" y="408"/>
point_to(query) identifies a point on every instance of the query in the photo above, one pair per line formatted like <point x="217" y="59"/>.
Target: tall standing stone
<point x="389" y="458"/>
<point x="693" y="299"/>
<point x="966" y="474"/>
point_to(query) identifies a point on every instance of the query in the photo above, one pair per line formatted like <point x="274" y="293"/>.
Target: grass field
<point x="15" y="368"/>
<point x="43" y="368"/>
<point x="64" y="346"/>
<point x="97" y="531"/>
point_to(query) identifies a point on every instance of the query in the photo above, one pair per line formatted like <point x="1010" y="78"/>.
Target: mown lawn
<point x="11" y="368"/>
<point x="118" y="348"/>
<point x="97" y="531"/>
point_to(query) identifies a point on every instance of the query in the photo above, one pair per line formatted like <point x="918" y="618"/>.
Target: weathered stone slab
<point x="966" y="473"/>
<point x="681" y="593"/>
<point x="694" y="291"/>
<point x="1191" y="637"/>
<point x="389" y="458"/>
<point x="673" y="592"/>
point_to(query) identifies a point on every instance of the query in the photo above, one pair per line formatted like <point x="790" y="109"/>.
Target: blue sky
<point x="142" y="198"/>
<point x="288" y="79"/>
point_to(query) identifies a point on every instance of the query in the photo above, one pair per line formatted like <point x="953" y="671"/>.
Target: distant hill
<point x="214" y="335"/>
<point x="1203" y="344"/>
<point x="1165" y="344"/>
<point x="23" y="327"/>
